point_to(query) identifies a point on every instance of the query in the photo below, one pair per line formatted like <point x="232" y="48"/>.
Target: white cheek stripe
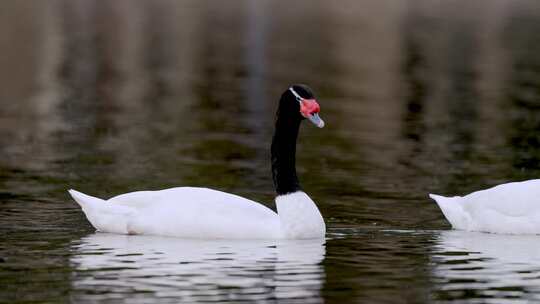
<point x="298" y="97"/>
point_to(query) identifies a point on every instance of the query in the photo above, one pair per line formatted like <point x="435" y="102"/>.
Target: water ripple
<point x="481" y="266"/>
<point x="132" y="267"/>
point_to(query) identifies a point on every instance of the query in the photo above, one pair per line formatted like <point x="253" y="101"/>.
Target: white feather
<point x="203" y="213"/>
<point x="512" y="208"/>
<point x="299" y="216"/>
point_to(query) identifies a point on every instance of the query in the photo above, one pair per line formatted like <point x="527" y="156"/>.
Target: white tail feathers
<point x="104" y="216"/>
<point x="438" y="198"/>
<point x="452" y="209"/>
<point x="85" y="201"/>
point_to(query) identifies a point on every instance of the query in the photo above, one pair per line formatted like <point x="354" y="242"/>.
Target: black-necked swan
<point x="191" y="212"/>
<point x="511" y="208"/>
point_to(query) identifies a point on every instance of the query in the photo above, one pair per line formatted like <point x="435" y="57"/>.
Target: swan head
<point x="296" y="104"/>
<point x="307" y="105"/>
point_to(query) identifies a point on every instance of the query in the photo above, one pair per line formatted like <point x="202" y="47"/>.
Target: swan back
<point x="182" y="212"/>
<point x="515" y="199"/>
<point x="512" y="208"/>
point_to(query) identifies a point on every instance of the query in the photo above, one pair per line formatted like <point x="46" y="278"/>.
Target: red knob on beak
<point x="309" y="107"/>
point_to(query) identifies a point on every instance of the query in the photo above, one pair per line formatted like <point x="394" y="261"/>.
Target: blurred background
<point x="419" y="96"/>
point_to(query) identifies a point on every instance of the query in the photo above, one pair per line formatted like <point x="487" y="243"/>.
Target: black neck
<point x="284" y="146"/>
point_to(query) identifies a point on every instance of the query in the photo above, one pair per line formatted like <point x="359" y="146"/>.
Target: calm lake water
<point x="419" y="96"/>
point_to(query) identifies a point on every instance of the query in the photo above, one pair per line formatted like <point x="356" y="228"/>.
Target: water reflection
<point x="138" y="267"/>
<point x="523" y="100"/>
<point x="481" y="265"/>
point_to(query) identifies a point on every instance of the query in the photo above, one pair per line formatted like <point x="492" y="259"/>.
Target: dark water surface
<point x="419" y="96"/>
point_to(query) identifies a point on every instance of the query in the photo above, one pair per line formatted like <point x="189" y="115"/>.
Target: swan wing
<point x="512" y="208"/>
<point x="516" y="199"/>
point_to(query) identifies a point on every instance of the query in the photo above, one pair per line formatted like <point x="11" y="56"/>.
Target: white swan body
<point x="204" y="213"/>
<point x="512" y="208"/>
<point x="190" y="212"/>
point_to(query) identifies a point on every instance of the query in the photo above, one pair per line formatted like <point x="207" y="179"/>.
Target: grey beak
<point x="316" y="120"/>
